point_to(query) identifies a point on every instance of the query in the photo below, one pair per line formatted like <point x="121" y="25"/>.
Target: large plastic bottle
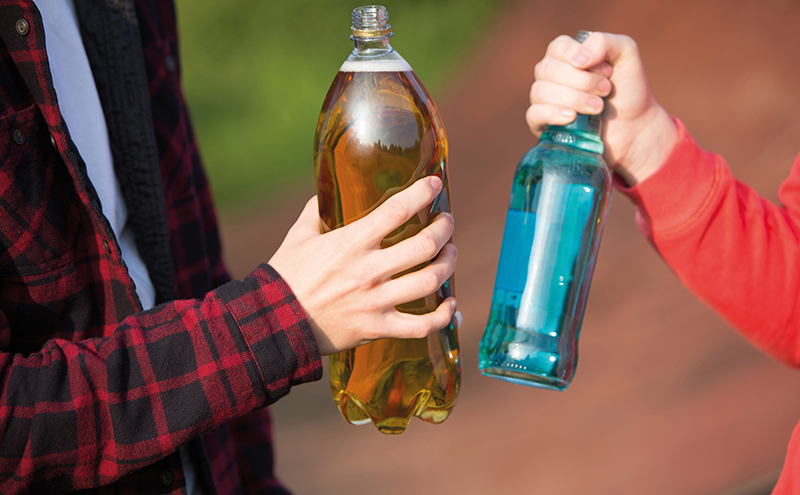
<point x="378" y="132"/>
<point x="558" y="205"/>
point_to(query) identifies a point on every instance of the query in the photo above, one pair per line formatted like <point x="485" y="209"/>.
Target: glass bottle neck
<point x="583" y="133"/>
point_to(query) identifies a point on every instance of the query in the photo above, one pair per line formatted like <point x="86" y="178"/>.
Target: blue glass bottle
<point x="558" y="205"/>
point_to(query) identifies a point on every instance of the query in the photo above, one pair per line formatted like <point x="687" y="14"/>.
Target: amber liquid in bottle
<point x="378" y="132"/>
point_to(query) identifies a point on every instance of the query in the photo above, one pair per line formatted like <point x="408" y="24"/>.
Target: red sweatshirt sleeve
<point x="736" y="251"/>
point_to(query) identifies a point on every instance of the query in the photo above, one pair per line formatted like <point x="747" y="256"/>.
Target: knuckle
<point x="420" y="329"/>
<point x="558" y="43"/>
<point x="602" y="39"/>
<point x="366" y="278"/>
<point x="396" y="211"/>
<point x="551" y="47"/>
<point x="532" y="117"/>
<point x="429" y="281"/>
<point x="547" y="69"/>
<point x="427" y="247"/>
<point x="629" y="41"/>
<point x="633" y="47"/>
<point x="372" y="305"/>
<point x="537" y="92"/>
<point x="539" y="70"/>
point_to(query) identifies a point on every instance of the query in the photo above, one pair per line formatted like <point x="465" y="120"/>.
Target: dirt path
<point x="667" y="398"/>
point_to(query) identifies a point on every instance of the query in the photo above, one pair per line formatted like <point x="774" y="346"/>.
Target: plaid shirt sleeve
<point x="85" y="413"/>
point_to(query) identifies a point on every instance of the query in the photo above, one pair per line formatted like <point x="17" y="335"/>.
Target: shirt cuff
<point x="276" y="330"/>
<point x="669" y="200"/>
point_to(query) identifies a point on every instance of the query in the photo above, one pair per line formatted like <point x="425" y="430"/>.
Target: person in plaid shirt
<point x="128" y="358"/>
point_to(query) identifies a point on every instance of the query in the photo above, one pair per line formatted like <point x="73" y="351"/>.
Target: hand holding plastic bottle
<point x="575" y="77"/>
<point x="343" y="279"/>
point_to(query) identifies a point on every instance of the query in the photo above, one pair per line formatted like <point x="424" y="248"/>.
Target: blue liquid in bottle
<point x="558" y="205"/>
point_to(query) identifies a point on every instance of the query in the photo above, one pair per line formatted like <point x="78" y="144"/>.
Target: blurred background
<point x="667" y="399"/>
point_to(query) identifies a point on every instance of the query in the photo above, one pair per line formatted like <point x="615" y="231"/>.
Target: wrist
<point x="652" y="146"/>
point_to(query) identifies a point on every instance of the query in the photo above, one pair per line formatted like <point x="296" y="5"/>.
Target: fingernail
<point x="596" y="102"/>
<point x="580" y="57"/>
<point x="566" y="112"/>
<point x="604" y="86"/>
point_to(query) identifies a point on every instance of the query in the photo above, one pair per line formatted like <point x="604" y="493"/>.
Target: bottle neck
<point x="371" y="47"/>
<point x="582" y="133"/>
<point x="371" y="32"/>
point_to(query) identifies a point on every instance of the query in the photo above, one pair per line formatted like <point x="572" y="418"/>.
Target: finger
<point x="562" y="47"/>
<point x="551" y="93"/>
<point x="592" y="81"/>
<point x="604" y="69"/>
<point x="396" y="210"/>
<point x="541" y="115"/>
<point x="421" y="283"/>
<point x="422" y="247"/>
<point x="408" y="326"/>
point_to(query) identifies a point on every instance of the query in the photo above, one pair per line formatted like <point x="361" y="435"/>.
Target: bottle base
<point x="393" y="421"/>
<point x="533" y="360"/>
<point x="529" y="379"/>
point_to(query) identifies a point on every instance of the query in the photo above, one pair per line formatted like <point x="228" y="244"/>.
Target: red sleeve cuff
<point x="671" y="198"/>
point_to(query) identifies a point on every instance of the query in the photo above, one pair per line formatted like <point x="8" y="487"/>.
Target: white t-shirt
<point x="80" y="106"/>
<point x="81" y="109"/>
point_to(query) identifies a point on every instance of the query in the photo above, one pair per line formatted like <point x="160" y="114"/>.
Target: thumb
<point x="307" y="224"/>
<point x="604" y="47"/>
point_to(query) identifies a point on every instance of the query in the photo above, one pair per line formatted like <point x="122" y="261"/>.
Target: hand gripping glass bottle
<point x="378" y="132"/>
<point x="558" y="205"/>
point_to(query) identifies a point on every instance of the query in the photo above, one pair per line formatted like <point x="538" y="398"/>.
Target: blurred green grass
<point x="255" y="75"/>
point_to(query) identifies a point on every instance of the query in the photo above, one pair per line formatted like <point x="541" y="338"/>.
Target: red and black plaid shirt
<point x="96" y="394"/>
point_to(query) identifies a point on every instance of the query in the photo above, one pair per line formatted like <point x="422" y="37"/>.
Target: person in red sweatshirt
<point x="736" y="251"/>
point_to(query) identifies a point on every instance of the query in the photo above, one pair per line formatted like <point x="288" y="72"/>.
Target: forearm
<point x="94" y="410"/>
<point x="736" y="251"/>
